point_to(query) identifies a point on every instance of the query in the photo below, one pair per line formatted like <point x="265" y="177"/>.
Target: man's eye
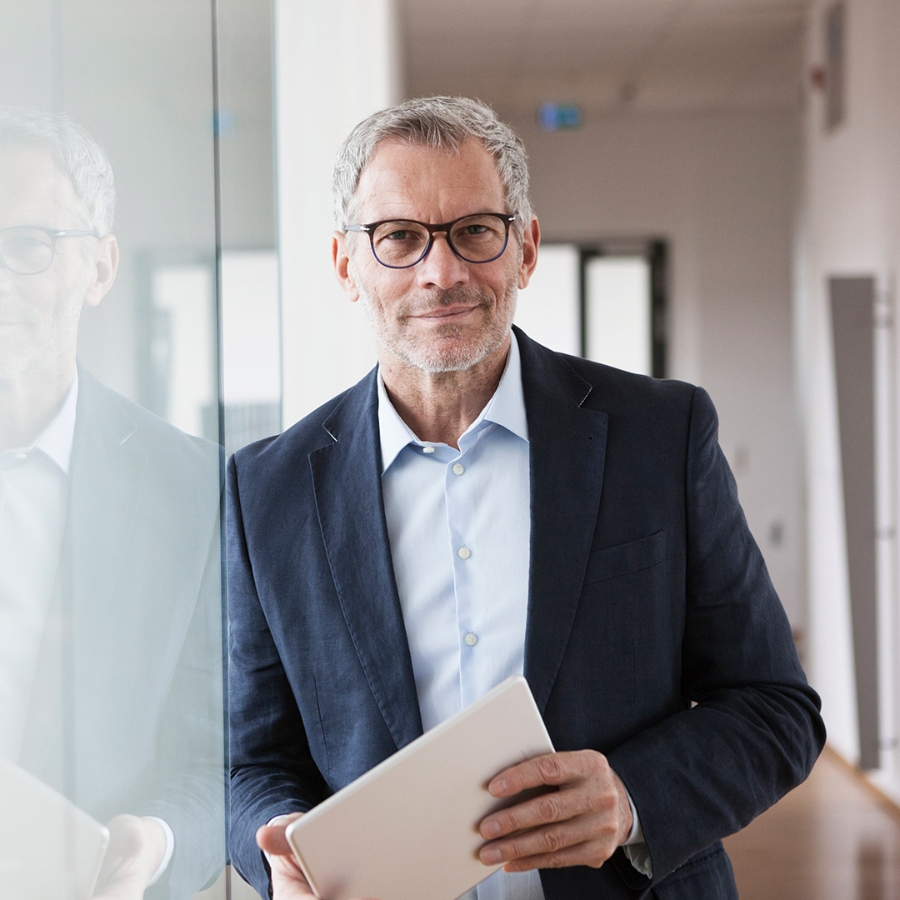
<point x="476" y="229"/>
<point x="399" y="235"/>
<point x="24" y="245"/>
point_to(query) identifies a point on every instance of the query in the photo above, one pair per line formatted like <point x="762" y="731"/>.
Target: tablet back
<point x="407" y="829"/>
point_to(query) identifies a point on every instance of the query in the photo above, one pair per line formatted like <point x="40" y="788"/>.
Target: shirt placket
<point x="464" y="555"/>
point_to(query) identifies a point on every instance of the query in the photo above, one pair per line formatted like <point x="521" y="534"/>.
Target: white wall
<point x="335" y="64"/>
<point x="721" y="189"/>
<point x="850" y="225"/>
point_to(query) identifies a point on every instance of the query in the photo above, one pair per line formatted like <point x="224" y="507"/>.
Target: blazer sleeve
<point x="750" y="729"/>
<point x="272" y="771"/>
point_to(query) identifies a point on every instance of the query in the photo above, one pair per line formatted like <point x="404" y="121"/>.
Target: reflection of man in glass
<point x="110" y="635"/>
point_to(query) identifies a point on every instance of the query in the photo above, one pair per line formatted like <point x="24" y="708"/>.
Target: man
<point x="110" y="634"/>
<point x="481" y="506"/>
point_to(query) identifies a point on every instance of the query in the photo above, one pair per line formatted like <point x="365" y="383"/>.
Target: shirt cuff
<point x="634" y="847"/>
<point x="167" y="853"/>
<point x="637" y="835"/>
<point x="639" y="856"/>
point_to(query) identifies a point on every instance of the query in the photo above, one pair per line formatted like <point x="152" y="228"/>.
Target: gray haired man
<point x="478" y="507"/>
<point x="110" y="647"/>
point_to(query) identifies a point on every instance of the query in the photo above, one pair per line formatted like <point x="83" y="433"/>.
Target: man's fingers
<point x="589" y="853"/>
<point x="552" y="769"/>
<point x="136" y="848"/>
<point x="582" y="823"/>
<point x="553" y="839"/>
<point x="568" y="803"/>
<point x="271" y="838"/>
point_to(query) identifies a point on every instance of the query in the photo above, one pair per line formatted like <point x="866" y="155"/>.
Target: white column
<point x="335" y="63"/>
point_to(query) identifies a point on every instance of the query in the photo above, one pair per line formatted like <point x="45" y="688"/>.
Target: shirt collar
<point x="57" y="438"/>
<point x="505" y="408"/>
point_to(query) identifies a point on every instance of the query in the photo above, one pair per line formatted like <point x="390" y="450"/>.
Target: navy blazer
<point x="126" y="713"/>
<point x="653" y="636"/>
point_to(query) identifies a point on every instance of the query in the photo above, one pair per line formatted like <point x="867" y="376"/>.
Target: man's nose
<point x="441" y="268"/>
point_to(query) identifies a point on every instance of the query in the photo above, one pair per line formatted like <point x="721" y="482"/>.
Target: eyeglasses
<point x="401" y="243"/>
<point x="29" y="250"/>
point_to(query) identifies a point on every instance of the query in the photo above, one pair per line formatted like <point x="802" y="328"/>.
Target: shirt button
<point x="471" y="639"/>
<point x="21" y="455"/>
<point x="464" y="553"/>
<point x="458" y="469"/>
<point x="428" y="449"/>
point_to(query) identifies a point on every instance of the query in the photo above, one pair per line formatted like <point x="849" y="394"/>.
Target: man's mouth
<point x="446" y="313"/>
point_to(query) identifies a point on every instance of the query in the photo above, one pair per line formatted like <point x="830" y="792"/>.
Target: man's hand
<point x="581" y="824"/>
<point x="288" y="881"/>
<point x="136" y="848"/>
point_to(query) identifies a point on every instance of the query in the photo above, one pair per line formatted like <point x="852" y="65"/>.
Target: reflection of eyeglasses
<point x="401" y="243"/>
<point x="29" y="250"/>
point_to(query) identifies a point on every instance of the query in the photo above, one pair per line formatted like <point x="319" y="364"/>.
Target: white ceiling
<point x="607" y="54"/>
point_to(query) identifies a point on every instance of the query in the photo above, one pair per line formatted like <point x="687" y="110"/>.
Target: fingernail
<point x="490" y="828"/>
<point x="490" y="855"/>
<point x="498" y="787"/>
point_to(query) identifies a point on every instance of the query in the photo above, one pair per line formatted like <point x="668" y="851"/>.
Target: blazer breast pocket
<point x="621" y="588"/>
<point x="624" y="559"/>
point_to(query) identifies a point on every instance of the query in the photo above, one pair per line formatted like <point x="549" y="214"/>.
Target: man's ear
<point x="531" y="239"/>
<point x="340" y="256"/>
<point x="104" y="264"/>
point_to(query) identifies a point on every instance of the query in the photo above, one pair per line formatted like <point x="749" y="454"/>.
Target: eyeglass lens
<point x="26" y="251"/>
<point x="478" y="238"/>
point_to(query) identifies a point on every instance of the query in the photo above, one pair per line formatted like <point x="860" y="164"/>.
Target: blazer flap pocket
<point x="611" y="562"/>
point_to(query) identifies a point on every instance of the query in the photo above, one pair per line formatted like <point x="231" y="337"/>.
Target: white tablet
<point x="408" y="829"/>
<point x="48" y="847"/>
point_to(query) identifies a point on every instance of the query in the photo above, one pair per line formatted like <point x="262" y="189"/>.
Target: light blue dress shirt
<point x="459" y="523"/>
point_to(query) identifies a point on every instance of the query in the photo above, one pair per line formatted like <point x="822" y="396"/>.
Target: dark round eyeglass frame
<point x="53" y="233"/>
<point x="443" y="227"/>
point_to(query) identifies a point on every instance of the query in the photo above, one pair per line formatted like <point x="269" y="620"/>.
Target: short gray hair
<point x="76" y="154"/>
<point x="440" y="123"/>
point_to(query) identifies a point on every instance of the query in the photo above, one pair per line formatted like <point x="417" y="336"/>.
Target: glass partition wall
<point x="138" y="335"/>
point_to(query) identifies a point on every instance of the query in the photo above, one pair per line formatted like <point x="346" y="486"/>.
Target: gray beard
<point x="27" y="357"/>
<point x="436" y="360"/>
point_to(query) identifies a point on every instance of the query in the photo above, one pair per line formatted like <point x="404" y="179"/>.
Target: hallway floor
<point x="831" y="839"/>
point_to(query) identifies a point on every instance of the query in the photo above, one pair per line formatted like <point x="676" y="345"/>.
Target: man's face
<point x="442" y="314"/>
<point x="39" y="313"/>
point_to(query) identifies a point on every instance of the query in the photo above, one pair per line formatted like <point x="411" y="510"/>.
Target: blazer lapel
<point x="105" y="480"/>
<point x="568" y="448"/>
<point x="347" y="483"/>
